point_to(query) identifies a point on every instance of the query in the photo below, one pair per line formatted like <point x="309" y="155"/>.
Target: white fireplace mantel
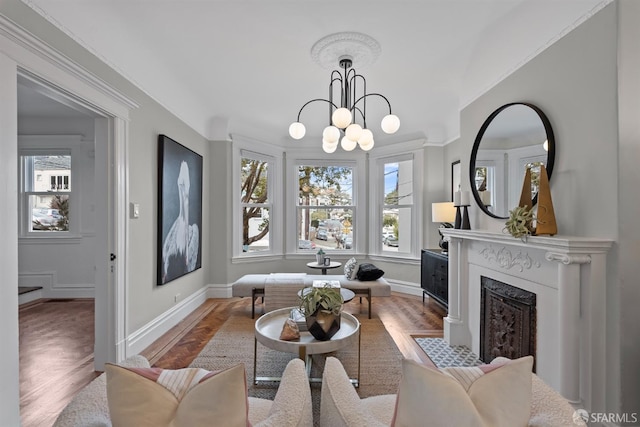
<point x="568" y="276"/>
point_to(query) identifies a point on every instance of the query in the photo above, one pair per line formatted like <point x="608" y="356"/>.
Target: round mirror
<point x="514" y="137"/>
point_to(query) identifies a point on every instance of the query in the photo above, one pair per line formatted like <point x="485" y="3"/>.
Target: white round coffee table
<point x="267" y="333"/>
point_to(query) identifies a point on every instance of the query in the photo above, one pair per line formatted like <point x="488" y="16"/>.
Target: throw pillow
<point x="180" y="398"/>
<point x="350" y="269"/>
<point x="496" y="395"/>
<point x="368" y="272"/>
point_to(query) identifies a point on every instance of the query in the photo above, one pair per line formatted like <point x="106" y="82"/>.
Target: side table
<point x="324" y="268"/>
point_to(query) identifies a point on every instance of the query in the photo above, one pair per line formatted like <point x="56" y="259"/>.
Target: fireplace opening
<point x="507" y="321"/>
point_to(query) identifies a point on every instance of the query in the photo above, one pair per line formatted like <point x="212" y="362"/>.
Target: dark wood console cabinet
<point x="434" y="275"/>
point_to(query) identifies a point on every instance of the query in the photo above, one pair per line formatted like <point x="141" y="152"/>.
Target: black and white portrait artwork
<point x="179" y="210"/>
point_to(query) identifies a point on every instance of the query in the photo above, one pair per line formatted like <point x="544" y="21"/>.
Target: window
<point x="255" y="203"/>
<point x="325" y="210"/>
<point x="396" y="201"/>
<point x="46" y="194"/>
<point x="397" y="206"/>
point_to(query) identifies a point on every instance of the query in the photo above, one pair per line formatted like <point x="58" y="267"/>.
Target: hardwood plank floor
<point x="56" y="343"/>
<point x="56" y="356"/>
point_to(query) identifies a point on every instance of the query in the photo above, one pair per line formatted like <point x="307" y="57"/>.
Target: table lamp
<point x="445" y="214"/>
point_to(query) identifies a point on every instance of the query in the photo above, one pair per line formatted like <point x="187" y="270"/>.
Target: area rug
<point x="443" y="355"/>
<point x="380" y="364"/>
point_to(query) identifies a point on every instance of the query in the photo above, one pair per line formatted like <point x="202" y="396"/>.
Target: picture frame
<point x="179" y="242"/>
<point x="455" y="177"/>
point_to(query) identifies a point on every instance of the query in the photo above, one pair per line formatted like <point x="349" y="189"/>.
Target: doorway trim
<point x="39" y="62"/>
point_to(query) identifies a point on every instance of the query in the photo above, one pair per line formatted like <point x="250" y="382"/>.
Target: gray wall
<point x="575" y="82"/>
<point x="146" y="301"/>
<point x="629" y="205"/>
<point x="67" y="269"/>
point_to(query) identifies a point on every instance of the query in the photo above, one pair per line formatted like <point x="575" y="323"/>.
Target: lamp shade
<point x="390" y="123"/>
<point x="353" y="131"/>
<point x="443" y="212"/>
<point x="331" y="134"/>
<point x="328" y="147"/>
<point x="297" y="130"/>
<point x="347" y="144"/>
<point x="341" y="118"/>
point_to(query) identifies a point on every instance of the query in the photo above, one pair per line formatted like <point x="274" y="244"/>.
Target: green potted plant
<point x="320" y="256"/>
<point x="321" y="307"/>
<point x="520" y="222"/>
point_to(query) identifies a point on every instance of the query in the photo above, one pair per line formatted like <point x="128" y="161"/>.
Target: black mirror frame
<point x="551" y="153"/>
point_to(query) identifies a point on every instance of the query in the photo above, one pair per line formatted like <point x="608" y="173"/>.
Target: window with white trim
<point x="325" y="207"/>
<point x="397" y="206"/>
<point x="396" y="200"/>
<point x="46" y="191"/>
<point x="256" y="202"/>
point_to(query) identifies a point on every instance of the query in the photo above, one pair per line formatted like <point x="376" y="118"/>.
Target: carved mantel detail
<point x="567" y="259"/>
<point x="505" y="259"/>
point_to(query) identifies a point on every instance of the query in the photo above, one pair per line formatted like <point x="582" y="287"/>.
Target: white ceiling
<point x="247" y="63"/>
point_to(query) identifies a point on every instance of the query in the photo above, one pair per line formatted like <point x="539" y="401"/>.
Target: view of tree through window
<point x="397" y="209"/>
<point x="325" y="207"/>
<point x="47" y="191"/>
<point x="255" y="204"/>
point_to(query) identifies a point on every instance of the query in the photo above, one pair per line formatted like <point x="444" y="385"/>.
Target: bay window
<point x="325" y="207"/>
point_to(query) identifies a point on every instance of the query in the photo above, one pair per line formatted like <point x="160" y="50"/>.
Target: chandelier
<point x="343" y="119"/>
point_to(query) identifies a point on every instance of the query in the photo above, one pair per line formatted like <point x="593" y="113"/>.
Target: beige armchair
<point x="290" y="407"/>
<point x="340" y="405"/>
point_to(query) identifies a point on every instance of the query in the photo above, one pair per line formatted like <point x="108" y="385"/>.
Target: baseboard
<point x="402" y="287"/>
<point x="219" y="290"/>
<point x="146" y="335"/>
<point x="30" y="297"/>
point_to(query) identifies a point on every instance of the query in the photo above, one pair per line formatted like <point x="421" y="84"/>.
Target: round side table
<point x="324" y="268"/>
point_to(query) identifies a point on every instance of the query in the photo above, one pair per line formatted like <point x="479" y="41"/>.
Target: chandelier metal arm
<point x="364" y="117"/>
<point x="314" y="100"/>
<point x="373" y="94"/>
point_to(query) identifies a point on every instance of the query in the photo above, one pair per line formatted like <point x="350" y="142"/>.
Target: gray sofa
<point x="253" y="285"/>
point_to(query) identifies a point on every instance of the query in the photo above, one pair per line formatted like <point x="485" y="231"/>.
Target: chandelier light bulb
<point x="297" y="130"/>
<point x="331" y="143"/>
<point x="341" y="118"/>
<point x="347" y="144"/>
<point x="390" y="123"/>
<point x="331" y="134"/>
<point x="328" y="147"/>
<point x="365" y="137"/>
<point x="366" y="146"/>
<point x="353" y="131"/>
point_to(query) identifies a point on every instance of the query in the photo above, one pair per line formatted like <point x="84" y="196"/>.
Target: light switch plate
<point x="135" y="210"/>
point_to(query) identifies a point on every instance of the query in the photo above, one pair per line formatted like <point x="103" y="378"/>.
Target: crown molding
<point x="22" y="38"/>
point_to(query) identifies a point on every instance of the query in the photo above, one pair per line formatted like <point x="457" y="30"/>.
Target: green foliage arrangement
<point x="520" y="222"/>
<point x="326" y="299"/>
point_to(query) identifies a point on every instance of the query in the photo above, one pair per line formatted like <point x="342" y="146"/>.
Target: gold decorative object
<point x="520" y="222"/>
<point x="525" y="195"/>
<point x="545" y="217"/>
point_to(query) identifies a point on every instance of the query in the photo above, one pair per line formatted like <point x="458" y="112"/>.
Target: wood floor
<point x="56" y="343"/>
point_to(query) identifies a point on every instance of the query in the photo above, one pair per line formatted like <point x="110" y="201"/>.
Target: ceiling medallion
<point x="363" y="50"/>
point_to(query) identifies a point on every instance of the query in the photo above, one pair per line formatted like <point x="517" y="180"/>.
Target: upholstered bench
<point x="253" y="285"/>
